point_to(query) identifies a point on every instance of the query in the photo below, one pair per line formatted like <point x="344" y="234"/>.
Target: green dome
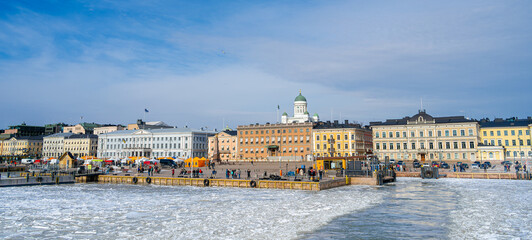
<point x="316" y="115"/>
<point x="306" y="112"/>
<point x="300" y="98"/>
<point x="285" y="114"/>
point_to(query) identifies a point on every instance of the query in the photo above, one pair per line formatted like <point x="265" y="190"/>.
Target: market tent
<point x="196" y="162"/>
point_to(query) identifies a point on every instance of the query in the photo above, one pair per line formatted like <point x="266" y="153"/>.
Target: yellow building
<point x="22" y="147"/>
<point x="81" y="145"/>
<point x="341" y="140"/>
<point x="512" y="134"/>
<point x="223" y="146"/>
<point x="426" y="138"/>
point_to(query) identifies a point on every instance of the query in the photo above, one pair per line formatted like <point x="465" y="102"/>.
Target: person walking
<point x="249" y="174"/>
<point x="238" y="173"/>
<point x="173" y="172"/>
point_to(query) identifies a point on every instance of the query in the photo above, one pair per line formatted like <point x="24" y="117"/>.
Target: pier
<point x="26" y="179"/>
<point x="473" y="175"/>
<point x="207" y="182"/>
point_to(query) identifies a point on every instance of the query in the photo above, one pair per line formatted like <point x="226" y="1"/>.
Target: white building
<point x="154" y="143"/>
<point x="53" y="145"/>
<point x="300" y="112"/>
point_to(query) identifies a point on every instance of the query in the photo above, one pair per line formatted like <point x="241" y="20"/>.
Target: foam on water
<point x="153" y="212"/>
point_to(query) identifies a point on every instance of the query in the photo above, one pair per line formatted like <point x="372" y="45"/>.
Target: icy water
<point x="408" y="209"/>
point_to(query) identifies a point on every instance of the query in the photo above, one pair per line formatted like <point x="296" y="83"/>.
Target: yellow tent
<point x="196" y="162"/>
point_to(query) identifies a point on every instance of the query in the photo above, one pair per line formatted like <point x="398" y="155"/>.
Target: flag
<point x="124" y="140"/>
<point x="146" y="110"/>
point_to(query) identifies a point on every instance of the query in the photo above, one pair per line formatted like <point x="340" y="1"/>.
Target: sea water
<point x="408" y="209"/>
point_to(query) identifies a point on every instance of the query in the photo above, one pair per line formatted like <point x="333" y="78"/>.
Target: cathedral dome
<point x="300" y="98"/>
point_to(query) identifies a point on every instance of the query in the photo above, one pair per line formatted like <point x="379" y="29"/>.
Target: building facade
<point x="426" y="138"/>
<point x="22" y="147"/>
<point x="341" y="140"/>
<point x="223" y="146"/>
<point x="82" y="128"/>
<point x="108" y="129"/>
<point x="301" y="113"/>
<point x="512" y="134"/>
<point x="50" y="129"/>
<point x="291" y="141"/>
<point x="81" y="145"/>
<point x="53" y="145"/>
<point x="154" y="143"/>
<point x="24" y="130"/>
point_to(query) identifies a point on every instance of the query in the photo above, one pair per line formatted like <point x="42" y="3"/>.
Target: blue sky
<point x="203" y="63"/>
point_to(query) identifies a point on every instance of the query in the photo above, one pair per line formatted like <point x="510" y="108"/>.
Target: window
<point x="383" y="134"/>
<point x="422" y="145"/>
<point x="527" y="132"/>
<point x="421" y="133"/>
<point x="520" y="132"/>
<point x="464" y="145"/>
<point x="454" y="133"/>
<point x="404" y="134"/>
<point x="345" y="137"/>
<point x="513" y="142"/>
<point x="470" y="132"/>
<point x="491" y="133"/>
<point x="499" y="142"/>
<point x="513" y="132"/>
<point x="462" y="132"/>
<point x="377" y="135"/>
<point x="521" y="142"/>
<point x="378" y="146"/>
<point x="528" y="142"/>
<point x="412" y="134"/>
<point x="391" y="146"/>
<point x="413" y="145"/>
<point x="446" y="133"/>
<point x="398" y="146"/>
<point x="431" y="145"/>
<point x="384" y="146"/>
<point x="485" y="133"/>
<point x="506" y="143"/>
<point x="455" y="145"/>
<point x="439" y="133"/>
<point x="430" y="133"/>
<point x="498" y="132"/>
<point x="471" y="144"/>
<point x="405" y="146"/>
<point x="397" y="134"/>
<point x="447" y="145"/>
<point x="390" y="134"/>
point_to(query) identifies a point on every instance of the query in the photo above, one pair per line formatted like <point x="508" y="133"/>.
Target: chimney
<point x="346" y="122"/>
<point x="335" y="122"/>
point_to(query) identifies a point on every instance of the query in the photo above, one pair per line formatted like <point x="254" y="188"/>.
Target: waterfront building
<point x="166" y="142"/>
<point x="81" y="145"/>
<point x="147" y="125"/>
<point x="512" y="134"/>
<point x="22" y="147"/>
<point x="223" y="145"/>
<point x="300" y="112"/>
<point x="290" y="141"/>
<point x="24" y="130"/>
<point x="53" y="145"/>
<point x="50" y="129"/>
<point x="108" y="129"/>
<point x="341" y="140"/>
<point x="81" y="128"/>
<point x="424" y="137"/>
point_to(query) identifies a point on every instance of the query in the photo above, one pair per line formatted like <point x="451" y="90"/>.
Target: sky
<point x="228" y="63"/>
